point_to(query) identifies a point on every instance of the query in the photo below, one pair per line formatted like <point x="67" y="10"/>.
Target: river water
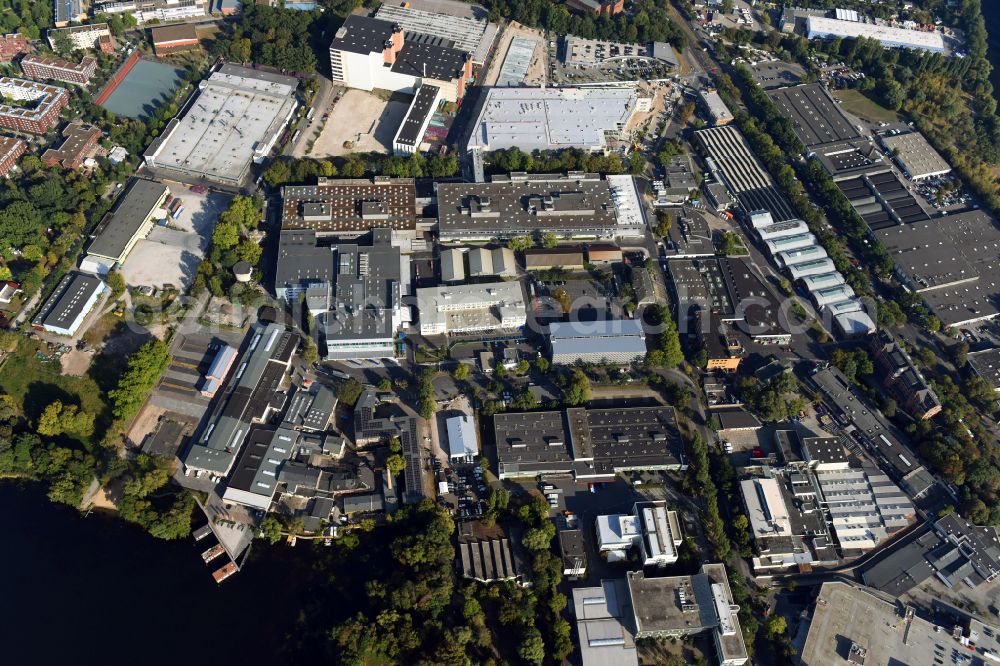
<point x="991" y="12"/>
<point x="96" y="590"/>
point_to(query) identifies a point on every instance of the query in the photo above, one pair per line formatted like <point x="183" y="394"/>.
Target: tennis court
<point x="146" y="86"/>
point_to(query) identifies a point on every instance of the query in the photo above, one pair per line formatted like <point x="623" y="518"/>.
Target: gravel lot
<point x="363" y="118"/>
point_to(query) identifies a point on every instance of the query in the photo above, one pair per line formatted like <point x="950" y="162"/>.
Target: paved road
<point x="321" y="104"/>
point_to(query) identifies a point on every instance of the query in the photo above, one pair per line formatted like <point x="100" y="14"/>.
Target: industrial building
<point x="464" y="24"/>
<point x="355" y="291"/>
<point x="41" y="68"/>
<point x="568" y="259"/>
<point x="953" y="550"/>
<point x="986" y="364"/>
<point x="11" y="150"/>
<point x="121" y="228"/>
<point x="145" y="11"/>
<point x="554" y="118"/>
<point x="250" y="397"/>
<point x="590" y="444"/>
<point x="816" y="117"/>
<point x="718" y="112"/>
<point x="65" y="310"/>
<point x="573" y="551"/>
<point x="452" y="266"/>
<point x="854" y="625"/>
<point x="822" y="27"/>
<point x="680" y="606"/>
<point x="872" y="430"/>
<point x="612" y="340"/>
<point x="235" y="120"/>
<point x="951" y="262"/>
<point x="606" y="7"/>
<point x="915" y="156"/>
<point x="603" y="617"/>
<point x="865" y="507"/>
<point x="350" y="206"/>
<point x="410" y="136"/>
<point x="38" y="118"/>
<point x="79" y="141"/>
<point x="370" y="53"/>
<point x="470" y="308"/>
<point x="84" y="37"/>
<point x="463" y="439"/>
<point x="650" y="528"/>
<point x="490" y="560"/>
<point x="376" y="422"/>
<point x="577" y="205"/>
<point x="498" y="262"/>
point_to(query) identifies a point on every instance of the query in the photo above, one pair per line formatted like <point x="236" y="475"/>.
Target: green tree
<point x="532" y="647"/>
<point x="270" y="529"/>
<point x="349" y="392"/>
<point x="225" y="236"/>
<point x="395" y="464"/>
<point x="249" y="250"/>
<point x="310" y="353"/>
<point x="775" y="626"/>
<point x="577" y="391"/>
<point x="520" y="243"/>
<point x="461" y="372"/>
<point x="144" y="369"/>
<point x="549" y="240"/>
<point x="116" y="283"/>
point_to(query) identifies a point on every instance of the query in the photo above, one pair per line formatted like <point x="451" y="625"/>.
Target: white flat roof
<point x="765" y="508"/>
<point x="889" y="36"/>
<point x="541" y="118"/>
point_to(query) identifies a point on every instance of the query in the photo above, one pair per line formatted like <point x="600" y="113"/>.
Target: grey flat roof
<point x="469" y="32"/>
<point x="917" y="157"/>
<point x="618" y="336"/>
<point x="816" y="118"/>
<point x="987" y="365"/>
<point x="68" y="300"/>
<point x="522" y="205"/>
<point x="301" y="261"/>
<point x="735" y="418"/>
<point x="587" y="442"/>
<point x="131" y="211"/>
<point x="349" y="205"/>
<point x="421" y="107"/>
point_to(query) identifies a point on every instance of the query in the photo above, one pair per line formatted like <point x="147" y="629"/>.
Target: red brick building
<point x="174" y="38"/>
<point x="79" y="141"/>
<point x="609" y="7"/>
<point x="12" y="45"/>
<point x="901" y="379"/>
<point x="11" y="150"/>
<point x="38" y="108"/>
<point x="42" y="68"/>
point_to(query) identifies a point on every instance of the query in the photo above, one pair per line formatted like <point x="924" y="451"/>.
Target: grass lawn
<point x="35" y="384"/>
<point x="854" y="102"/>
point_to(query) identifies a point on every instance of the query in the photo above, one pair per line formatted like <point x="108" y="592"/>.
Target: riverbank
<point x="98" y="590"/>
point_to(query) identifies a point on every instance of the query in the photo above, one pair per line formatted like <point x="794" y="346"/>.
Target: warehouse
<point x="789" y="243"/>
<point x="489" y="263"/>
<point x="67" y="307"/>
<point x="234" y="122"/>
<point x="812" y="267"/>
<point x="174" y="38"/>
<point x="611" y="341"/>
<point x="718" y="112"/>
<point x="915" y="156"/>
<point x="452" y="265"/>
<point x="574" y="206"/>
<point x="568" y="259"/>
<point x="792" y="257"/>
<point x="832" y="295"/>
<point x="816" y="117"/>
<point x="588" y="443"/>
<point x="131" y="219"/>
<point x="370" y="53"/>
<point x="553" y="118"/>
<point x="821" y="27"/>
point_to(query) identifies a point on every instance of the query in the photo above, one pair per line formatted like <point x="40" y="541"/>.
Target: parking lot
<point x="179" y="388"/>
<point x="170" y="254"/>
<point x="361" y="122"/>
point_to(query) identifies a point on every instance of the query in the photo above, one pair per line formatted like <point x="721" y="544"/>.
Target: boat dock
<point x="225" y="572"/>
<point x="213" y="553"/>
<point x="202" y="532"/>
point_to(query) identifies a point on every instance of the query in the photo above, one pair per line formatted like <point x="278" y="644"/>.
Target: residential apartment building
<point x="79" y="140"/>
<point x="12" y="45"/>
<point x="42" y="68"/>
<point x="11" y="150"/>
<point x="84" y="37"/>
<point x="901" y="379"/>
<point x="44" y="102"/>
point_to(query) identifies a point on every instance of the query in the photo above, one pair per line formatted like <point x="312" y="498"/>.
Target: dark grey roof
<point x="133" y="208"/>
<point x="736" y="418"/>
<point x="257" y="470"/>
<point x="311" y="410"/>
<point x="422" y="55"/>
<point x="824" y="450"/>
<point x="420" y="109"/>
<point x="364" y="503"/>
<point x="301" y="261"/>
<point x="987" y="365"/>
<point x="816" y="117"/>
<point x="362" y="35"/>
<point x="68" y="300"/>
<point x="66" y="10"/>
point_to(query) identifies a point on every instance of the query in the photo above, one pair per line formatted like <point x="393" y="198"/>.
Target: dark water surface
<point x="96" y="590"/>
